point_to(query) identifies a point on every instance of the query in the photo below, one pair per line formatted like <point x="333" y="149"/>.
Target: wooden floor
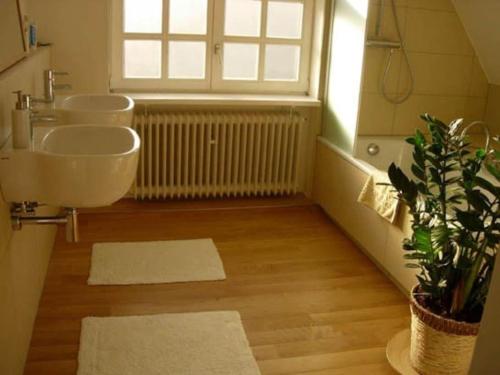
<point x="310" y="301"/>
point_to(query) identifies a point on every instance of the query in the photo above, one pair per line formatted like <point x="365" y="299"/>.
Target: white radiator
<point x="215" y="154"/>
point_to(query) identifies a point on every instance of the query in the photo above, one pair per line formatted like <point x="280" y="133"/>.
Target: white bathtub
<point x="390" y="149"/>
<point x="339" y="178"/>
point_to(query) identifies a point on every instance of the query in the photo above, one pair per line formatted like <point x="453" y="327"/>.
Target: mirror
<point x="12" y="43"/>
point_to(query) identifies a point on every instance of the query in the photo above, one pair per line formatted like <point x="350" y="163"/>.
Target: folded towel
<point x="380" y="198"/>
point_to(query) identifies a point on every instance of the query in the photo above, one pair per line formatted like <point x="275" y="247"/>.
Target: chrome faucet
<point x="49" y="81"/>
<point x="35" y="116"/>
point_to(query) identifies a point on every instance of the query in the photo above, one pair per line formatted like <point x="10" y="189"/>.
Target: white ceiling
<point x="481" y="19"/>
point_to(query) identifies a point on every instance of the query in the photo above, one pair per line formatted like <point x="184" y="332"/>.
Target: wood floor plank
<point x="310" y="301"/>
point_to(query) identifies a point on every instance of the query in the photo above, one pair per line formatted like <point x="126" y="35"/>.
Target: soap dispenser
<point x="21" y="124"/>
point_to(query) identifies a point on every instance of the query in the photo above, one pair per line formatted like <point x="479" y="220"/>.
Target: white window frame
<point x="214" y="39"/>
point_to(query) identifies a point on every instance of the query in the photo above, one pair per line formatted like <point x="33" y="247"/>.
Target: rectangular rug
<point x="154" y="262"/>
<point x="205" y="343"/>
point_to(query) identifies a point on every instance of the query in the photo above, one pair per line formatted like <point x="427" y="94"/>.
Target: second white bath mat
<point x="127" y="263"/>
<point x="205" y="343"/>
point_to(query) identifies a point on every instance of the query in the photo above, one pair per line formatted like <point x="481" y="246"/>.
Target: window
<point x="211" y="45"/>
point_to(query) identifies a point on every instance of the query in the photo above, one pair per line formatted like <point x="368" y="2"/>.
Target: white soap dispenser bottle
<point x="21" y="125"/>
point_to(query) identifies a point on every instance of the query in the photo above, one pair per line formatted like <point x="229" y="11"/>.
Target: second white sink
<point x="72" y="166"/>
<point x="96" y="109"/>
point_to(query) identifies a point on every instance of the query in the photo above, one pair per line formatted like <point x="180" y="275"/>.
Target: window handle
<point x="217" y="48"/>
<point x="218" y="51"/>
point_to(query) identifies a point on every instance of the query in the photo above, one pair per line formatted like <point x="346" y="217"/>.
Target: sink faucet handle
<point x="60" y="73"/>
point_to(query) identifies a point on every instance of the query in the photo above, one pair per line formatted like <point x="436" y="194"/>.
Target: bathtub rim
<point x="358" y="163"/>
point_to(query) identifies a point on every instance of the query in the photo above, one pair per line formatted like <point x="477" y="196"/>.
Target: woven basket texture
<point x="440" y="346"/>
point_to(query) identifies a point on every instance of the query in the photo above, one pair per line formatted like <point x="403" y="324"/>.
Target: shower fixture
<point x="392" y="46"/>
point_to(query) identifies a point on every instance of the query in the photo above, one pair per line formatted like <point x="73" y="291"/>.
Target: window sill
<point x="224" y="99"/>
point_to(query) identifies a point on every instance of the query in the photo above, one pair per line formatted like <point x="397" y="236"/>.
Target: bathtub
<point x="395" y="149"/>
<point x="339" y="178"/>
<point x="384" y="151"/>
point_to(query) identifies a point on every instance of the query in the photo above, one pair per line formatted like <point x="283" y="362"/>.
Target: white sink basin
<point x="72" y="166"/>
<point x="96" y="109"/>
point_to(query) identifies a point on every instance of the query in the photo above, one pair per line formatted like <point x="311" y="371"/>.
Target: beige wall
<point x="481" y="20"/>
<point x="485" y="359"/>
<point x="26" y="76"/>
<point x="492" y="116"/>
<point x="79" y="31"/>
<point x="449" y="81"/>
<point x="24" y="255"/>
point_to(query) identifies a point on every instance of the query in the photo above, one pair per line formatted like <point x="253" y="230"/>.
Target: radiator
<point x="216" y="154"/>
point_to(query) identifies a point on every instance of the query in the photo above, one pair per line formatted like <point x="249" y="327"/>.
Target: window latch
<point x="217" y="51"/>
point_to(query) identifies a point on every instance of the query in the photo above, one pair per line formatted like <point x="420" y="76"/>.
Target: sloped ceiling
<point x="481" y="19"/>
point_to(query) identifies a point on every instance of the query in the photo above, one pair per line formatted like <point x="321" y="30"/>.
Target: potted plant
<point x="454" y="203"/>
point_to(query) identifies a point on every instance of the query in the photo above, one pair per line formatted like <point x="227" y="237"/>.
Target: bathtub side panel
<point x="394" y="261"/>
<point x="336" y="187"/>
<point x="337" y="184"/>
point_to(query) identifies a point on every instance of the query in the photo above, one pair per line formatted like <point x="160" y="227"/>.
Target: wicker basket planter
<point x="440" y="346"/>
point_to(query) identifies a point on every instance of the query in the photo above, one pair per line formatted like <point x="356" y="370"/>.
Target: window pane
<point x="139" y="18"/>
<point x="188" y="17"/>
<point x="282" y="62"/>
<point x="284" y="19"/>
<point x="186" y="60"/>
<point x="142" y="59"/>
<point x="242" y="17"/>
<point x="241" y="61"/>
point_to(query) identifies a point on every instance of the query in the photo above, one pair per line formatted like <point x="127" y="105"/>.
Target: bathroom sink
<point x="72" y="166"/>
<point x="96" y="109"/>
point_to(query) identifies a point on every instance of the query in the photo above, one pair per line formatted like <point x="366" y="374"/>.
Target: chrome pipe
<point x="43" y="220"/>
<point x="72" y="234"/>
<point x="69" y="219"/>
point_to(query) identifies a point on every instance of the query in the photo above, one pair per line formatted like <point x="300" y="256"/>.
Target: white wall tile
<point x="407" y="116"/>
<point x="436" y="74"/>
<point x="475" y="108"/>
<point x="479" y="82"/>
<point x="375" y="62"/>
<point x="444" y="5"/>
<point x="436" y="32"/>
<point x="377" y="115"/>
<point x="388" y="25"/>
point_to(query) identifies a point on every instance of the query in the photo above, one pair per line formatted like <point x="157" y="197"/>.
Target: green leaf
<point x="419" y="157"/>
<point x="410" y="140"/>
<point x="412" y="265"/>
<point x="423" y="240"/>
<point x="477" y="200"/>
<point x="485" y="184"/>
<point x="419" y="139"/>
<point x="419" y="173"/>
<point x="433" y="161"/>
<point x="493" y="170"/>
<point x="480" y="153"/>
<point x="455" y="125"/>
<point x="397" y="177"/>
<point x="435" y="177"/>
<point x="469" y="221"/>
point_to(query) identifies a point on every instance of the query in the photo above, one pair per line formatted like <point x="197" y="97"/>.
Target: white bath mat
<point x="208" y="343"/>
<point x="126" y="263"/>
